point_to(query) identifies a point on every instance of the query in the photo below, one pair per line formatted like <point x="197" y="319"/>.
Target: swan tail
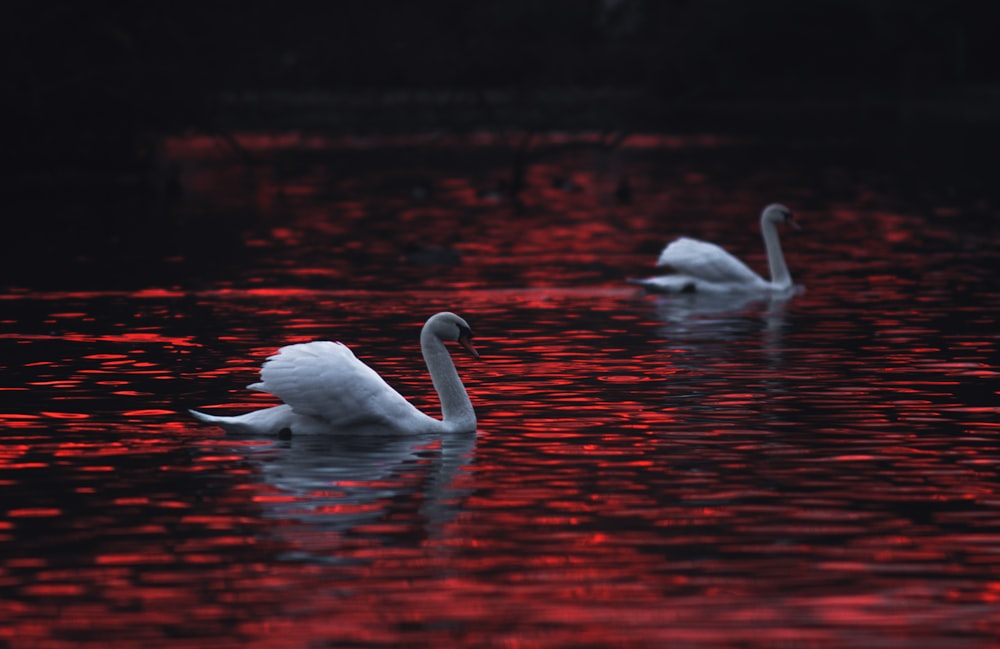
<point x="266" y="421"/>
<point x="226" y="422"/>
<point x="666" y="284"/>
<point x="202" y="417"/>
<point x="207" y="419"/>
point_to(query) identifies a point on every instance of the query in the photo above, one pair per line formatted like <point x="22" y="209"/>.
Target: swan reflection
<point x="338" y="482"/>
<point x="707" y="331"/>
<point x="726" y="314"/>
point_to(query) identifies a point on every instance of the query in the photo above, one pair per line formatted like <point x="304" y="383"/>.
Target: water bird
<point x="693" y="266"/>
<point x="326" y="389"/>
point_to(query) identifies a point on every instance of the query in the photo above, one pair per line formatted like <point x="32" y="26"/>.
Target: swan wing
<point x="705" y="261"/>
<point x="326" y="380"/>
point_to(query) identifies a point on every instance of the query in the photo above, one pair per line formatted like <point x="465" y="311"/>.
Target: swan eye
<point x="464" y="332"/>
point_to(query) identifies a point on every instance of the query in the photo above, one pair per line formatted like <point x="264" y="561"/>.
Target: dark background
<point x="94" y="82"/>
<point x="90" y="88"/>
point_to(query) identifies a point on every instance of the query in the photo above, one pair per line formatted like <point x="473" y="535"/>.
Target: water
<point x="819" y="471"/>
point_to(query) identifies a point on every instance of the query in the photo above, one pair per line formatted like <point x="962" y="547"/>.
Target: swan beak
<point x="466" y="342"/>
<point x="793" y="224"/>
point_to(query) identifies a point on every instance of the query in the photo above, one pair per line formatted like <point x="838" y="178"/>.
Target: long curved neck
<point x="780" y="276"/>
<point x="456" y="408"/>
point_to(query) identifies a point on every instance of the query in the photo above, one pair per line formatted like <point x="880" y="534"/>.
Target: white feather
<point x="700" y="267"/>
<point x="707" y="262"/>
<point x="326" y="389"/>
<point x="326" y="380"/>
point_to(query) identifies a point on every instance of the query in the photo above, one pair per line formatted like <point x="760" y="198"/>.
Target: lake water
<point x="819" y="471"/>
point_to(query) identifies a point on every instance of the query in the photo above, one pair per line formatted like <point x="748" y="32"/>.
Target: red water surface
<point x="818" y="471"/>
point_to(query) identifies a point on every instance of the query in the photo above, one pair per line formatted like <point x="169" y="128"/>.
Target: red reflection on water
<point x="32" y="512"/>
<point x="64" y="415"/>
<point x="816" y="473"/>
<point x="184" y="341"/>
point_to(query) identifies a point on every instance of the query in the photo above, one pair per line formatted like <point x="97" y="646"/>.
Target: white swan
<point x="325" y="388"/>
<point x="700" y="267"/>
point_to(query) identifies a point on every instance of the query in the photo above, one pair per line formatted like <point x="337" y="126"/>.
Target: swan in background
<point x="694" y="266"/>
<point x="326" y="389"/>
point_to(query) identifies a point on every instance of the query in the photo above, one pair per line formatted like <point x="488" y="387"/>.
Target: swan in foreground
<point x="326" y="389"/>
<point x="693" y="266"/>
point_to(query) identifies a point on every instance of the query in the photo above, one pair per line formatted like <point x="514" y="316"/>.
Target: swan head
<point x="448" y="326"/>
<point x="778" y="213"/>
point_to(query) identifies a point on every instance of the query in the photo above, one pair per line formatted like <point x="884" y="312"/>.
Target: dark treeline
<point x="86" y="81"/>
<point x="90" y="88"/>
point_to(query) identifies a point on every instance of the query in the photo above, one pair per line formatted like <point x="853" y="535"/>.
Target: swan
<point x="695" y="266"/>
<point x="326" y="389"/>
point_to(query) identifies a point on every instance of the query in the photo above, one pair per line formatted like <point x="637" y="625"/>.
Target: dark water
<point x="820" y="471"/>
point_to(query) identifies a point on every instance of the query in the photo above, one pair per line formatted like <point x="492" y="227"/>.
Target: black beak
<point x="465" y="341"/>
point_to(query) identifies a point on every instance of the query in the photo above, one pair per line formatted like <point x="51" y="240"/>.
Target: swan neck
<point x="780" y="276"/>
<point x="457" y="412"/>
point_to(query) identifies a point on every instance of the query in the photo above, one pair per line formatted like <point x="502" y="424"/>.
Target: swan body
<point x="326" y="389"/>
<point x="693" y="266"/>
